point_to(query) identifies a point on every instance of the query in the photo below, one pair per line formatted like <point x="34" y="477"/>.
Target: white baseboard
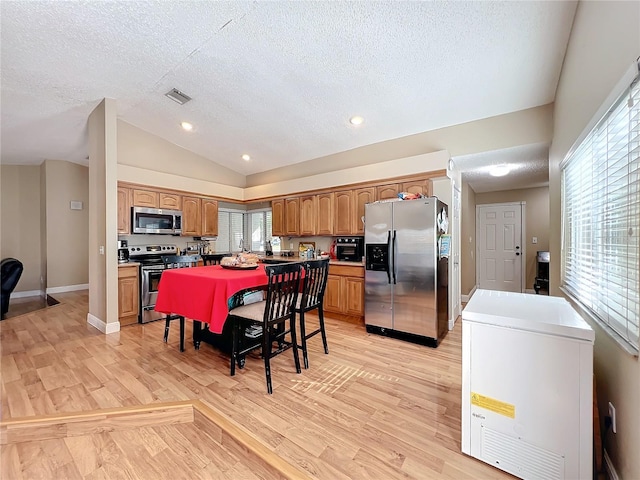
<point x="106" y="328"/>
<point x="466" y="298"/>
<point x="608" y="464"/>
<point x="452" y="324"/>
<point x="68" y="288"/>
<point x="28" y="293"/>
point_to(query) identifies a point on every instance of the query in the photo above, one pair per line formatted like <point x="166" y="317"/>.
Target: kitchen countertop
<point x="129" y="264"/>
<point x="300" y="259"/>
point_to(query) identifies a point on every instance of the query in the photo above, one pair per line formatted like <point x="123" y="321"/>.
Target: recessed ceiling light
<point x="357" y="120"/>
<point x="187" y="126"/>
<point x="246" y="157"/>
<point x="499" y="171"/>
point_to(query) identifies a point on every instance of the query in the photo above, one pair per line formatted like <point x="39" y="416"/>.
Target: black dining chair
<point x="267" y="320"/>
<point x="177" y="261"/>
<point x="212" y="258"/>
<point x="11" y="270"/>
<point x="316" y="273"/>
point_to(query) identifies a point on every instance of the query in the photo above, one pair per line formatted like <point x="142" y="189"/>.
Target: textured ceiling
<point x="278" y="80"/>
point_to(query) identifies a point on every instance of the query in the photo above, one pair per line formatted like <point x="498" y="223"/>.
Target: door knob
<point x="517" y="253"/>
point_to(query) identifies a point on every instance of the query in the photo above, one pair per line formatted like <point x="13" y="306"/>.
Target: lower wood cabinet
<point x="344" y="296"/>
<point x="128" y="294"/>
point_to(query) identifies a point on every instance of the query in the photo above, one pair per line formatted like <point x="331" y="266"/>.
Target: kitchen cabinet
<point x="361" y="196"/>
<point x="325" y="215"/>
<point x="124" y="211"/>
<point x="191" y="216"/>
<point x="308" y="215"/>
<point x="209" y="217"/>
<point x="170" y="201"/>
<point x="145" y="198"/>
<point x="384" y="192"/>
<point x="277" y="218"/>
<point x="292" y="216"/>
<point x="128" y="295"/>
<point x="343" y="205"/>
<point x="344" y="295"/>
<point x="418" y="186"/>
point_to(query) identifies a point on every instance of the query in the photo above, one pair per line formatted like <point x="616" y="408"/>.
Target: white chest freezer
<point x="527" y="383"/>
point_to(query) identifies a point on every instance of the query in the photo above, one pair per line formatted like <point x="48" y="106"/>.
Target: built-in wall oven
<point x="151" y="268"/>
<point x="350" y="248"/>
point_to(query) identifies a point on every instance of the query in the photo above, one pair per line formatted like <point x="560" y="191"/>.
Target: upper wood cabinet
<point x="324" y="225"/>
<point x="308" y="215"/>
<point x="384" y="192"/>
<point x="145" y="198"/>
<point x="361" y="196"/>
<point x="209" y="217"/>
<point x="342" y="202"/>
<point x="191" y="216"/>
<point x="277" y="218"/>
<point x="418" y="186"/>
<point x="292" y="216"/>
<point x="170" y="201"/>
<point x="124" y="211"/>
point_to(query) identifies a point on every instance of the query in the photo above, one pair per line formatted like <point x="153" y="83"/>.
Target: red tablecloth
<point x="201" y="293"/>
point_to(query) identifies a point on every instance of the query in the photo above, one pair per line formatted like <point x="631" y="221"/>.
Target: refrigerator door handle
<point x="393" y="254"/>
<point x="388" y="256"/>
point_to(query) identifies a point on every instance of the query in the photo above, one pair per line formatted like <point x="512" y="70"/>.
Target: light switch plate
<point x="534" y="240"/>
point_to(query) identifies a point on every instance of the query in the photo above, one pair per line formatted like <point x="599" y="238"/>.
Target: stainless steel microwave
<point x="156" y="220"/>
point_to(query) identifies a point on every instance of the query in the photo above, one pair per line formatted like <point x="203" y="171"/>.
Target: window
<point x="230" y="231"/>
<point x="239" y="230"/>
<point x="601" y="219"/>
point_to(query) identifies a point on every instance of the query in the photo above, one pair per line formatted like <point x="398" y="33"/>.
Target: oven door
<point x="149" y="293"/>
<point x="349" y="252"/>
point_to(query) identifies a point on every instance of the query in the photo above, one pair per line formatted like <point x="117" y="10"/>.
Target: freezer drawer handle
<point x="393" y="251"/>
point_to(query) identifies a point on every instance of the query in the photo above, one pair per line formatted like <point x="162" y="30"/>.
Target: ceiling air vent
<point x="177" y="96"/>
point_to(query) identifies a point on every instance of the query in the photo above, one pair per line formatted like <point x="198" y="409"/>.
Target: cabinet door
<point x="361" y="197"/>
<point x="354" y="303"/>
<point x="145" y="198"/>
<point x="308" y="215"/>
<point x="342" y="219"/>
<point x="418" y="186"/>
<point x="324" y="225"/>
<point x="292" y="216"/>
<point x="124" y="211"/>
<point x="277" y="218"/>
<point x="209" y="217"/>
<point x="332" y="294"/>
<point x="170" y="201"/>
<point x="384" y="192"/>
<point x="128" y="297"/>
<point x="191" y="217"/>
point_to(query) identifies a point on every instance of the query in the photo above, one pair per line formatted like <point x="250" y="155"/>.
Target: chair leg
<point x="166" y="330"/>
<point x="234" y="347"/>
<point x="322" y="331"/>
<point x="266" y="352"/>
<point x="182" y="334"/>
<point x="303" y="339"/>
<point x="294" y="341"/>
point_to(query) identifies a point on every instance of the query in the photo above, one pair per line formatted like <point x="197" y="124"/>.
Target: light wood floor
<point x="374" y="408"/>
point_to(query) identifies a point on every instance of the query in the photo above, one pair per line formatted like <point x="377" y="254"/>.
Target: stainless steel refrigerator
<point x="406" y="269"/>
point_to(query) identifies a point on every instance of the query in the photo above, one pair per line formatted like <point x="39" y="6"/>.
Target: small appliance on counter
<point x="268" y="251"/>
<point x="123" y="251"/>
<point x="350" y="249"/>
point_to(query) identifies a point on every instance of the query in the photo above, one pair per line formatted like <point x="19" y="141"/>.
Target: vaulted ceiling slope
<point x="276" y="80"/>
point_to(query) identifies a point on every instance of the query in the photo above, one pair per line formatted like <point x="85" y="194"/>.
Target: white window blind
<point x="230" y="231"/>
<point x="259" y="224"/>
<point x="601" y="219"/>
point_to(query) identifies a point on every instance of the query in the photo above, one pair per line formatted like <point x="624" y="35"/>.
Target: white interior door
<point x="455" y="239"/>
<point x="500" y="249"/>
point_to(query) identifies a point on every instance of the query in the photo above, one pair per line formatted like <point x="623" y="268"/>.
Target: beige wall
<point x="67" y="230"/>
<point x="20" y="222"/>
<point x="468" y="239"/>
<point x="536" y="221"/>
<point x="605" y="40"/>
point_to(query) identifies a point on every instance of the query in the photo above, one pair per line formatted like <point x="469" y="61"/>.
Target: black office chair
<point x="10" y="272"/>
<point x="268" y="320"/>
<point x="177" y="261"/>
<point x="316" y="273"/>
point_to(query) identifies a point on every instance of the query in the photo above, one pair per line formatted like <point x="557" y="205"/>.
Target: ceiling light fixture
<point x="499" y="170"/>
<point x="357" y="120"/>
<point x="187" y="126"/>
<point x="177" y="96"/>
<point x="246" y="157"/>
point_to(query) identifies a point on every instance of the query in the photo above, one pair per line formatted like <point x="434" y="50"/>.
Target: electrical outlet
<point x="612" y="414"/>
<point x="101" y="249"/>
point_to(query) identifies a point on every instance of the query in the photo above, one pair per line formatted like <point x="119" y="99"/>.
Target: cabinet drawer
<point x="347" y="270"/>
<point x="128" y="271"/>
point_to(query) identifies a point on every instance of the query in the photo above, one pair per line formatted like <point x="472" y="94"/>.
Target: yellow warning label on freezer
<point x="494" y="405"/>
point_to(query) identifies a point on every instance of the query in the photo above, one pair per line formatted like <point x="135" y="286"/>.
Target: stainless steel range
<point x="151" y="267"/>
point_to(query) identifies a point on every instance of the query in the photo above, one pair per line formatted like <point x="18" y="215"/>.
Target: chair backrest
<point x="10" y="272"/>
<point x="316" y="273"/>
<point x="282" y="291"/>
<point x="212" y="259"/>
<point x="180" y="261"/>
